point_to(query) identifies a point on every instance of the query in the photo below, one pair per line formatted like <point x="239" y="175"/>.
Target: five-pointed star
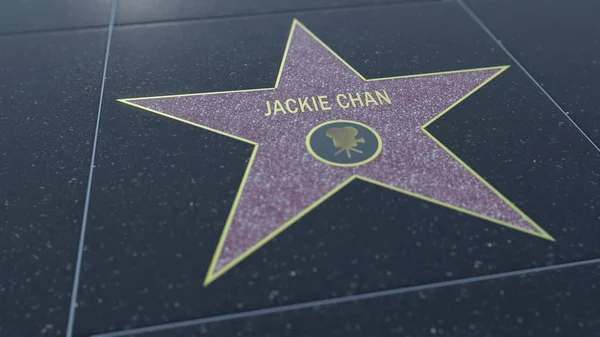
<point x="284" y="181"/>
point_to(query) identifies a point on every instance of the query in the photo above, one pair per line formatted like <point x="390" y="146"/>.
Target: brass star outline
<point x="212" y="275"/>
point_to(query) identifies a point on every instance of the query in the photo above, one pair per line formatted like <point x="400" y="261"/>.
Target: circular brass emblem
<point x="343" y="143"/>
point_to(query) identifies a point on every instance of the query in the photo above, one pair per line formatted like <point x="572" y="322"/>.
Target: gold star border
<point x="212" y="275"/>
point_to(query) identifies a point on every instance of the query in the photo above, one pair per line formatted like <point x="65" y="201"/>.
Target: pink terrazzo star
<point x="284" y="180"/>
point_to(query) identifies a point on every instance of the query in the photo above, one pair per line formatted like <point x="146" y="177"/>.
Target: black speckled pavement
<point x="317" y="168"/>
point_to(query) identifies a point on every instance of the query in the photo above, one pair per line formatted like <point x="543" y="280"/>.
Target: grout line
<point x="300" y="11"/>
<point x="475" y="18"/>
<point x="73" y="306"/>
<point x="339" y="300"/>
<point x="52" y="30"/>
<point x="220" y="17"/>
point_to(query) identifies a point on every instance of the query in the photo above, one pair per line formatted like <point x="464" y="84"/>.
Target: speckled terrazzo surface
<point x="284" y="179"/>
<point x="368" y="261"/>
